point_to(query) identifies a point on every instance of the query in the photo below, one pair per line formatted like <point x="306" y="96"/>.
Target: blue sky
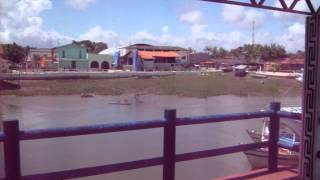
<point x="187" y="23"/>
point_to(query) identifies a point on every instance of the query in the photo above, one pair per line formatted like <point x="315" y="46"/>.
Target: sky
<point x="185" y="23"/>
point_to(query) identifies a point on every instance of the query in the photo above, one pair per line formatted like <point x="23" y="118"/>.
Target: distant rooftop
<point x="1" y="49"/>
<point x="151" y="47"/>
<point x="43" y="50"/>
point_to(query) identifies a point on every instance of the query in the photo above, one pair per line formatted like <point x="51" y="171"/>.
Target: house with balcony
<point x="150" y="57"/>
<point x="77" y="56"/>
<point x="72" y="56"/>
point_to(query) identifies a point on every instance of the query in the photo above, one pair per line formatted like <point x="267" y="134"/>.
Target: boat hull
<point x="259" y="76"/>
<point x="259" y="159"/>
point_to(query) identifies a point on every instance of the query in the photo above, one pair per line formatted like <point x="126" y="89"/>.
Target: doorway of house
<point x="73" y="65"/>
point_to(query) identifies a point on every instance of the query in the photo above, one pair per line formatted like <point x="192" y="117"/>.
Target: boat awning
<point x="241" y="67"/>
<point x="161" y="54"/>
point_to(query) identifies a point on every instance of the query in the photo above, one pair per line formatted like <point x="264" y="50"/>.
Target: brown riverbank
<point x="191" y="85"/>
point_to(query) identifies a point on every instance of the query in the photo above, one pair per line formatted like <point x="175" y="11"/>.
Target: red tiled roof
<point x="292" y="61"/>
<point x="207" y="62"/>
<point x="154" y="54"/>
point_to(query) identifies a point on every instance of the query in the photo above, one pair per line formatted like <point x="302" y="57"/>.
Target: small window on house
<point x="63" y="54"/>
<point x="80" y="54"/>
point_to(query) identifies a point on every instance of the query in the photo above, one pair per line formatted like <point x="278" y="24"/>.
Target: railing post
<point x="273" y="137"/>
<point x="12" y="150"/>
<point x="169" y="145"/>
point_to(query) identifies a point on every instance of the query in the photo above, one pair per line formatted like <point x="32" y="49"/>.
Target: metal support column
<point x="310" y="155"/>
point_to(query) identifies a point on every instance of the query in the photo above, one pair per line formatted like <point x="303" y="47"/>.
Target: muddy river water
<point x="39" y="156"/>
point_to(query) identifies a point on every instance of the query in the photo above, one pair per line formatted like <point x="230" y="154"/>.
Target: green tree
<point x="253" y="53"/>
<point x="14" y="52"/>
<point x="93" y="47"/>
<point x="216" y="52"/>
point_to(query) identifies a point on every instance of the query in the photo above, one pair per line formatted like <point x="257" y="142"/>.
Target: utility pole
<point x="253" y="32"/>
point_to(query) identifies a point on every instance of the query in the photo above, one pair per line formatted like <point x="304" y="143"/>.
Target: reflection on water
<point x="84" y="151"/>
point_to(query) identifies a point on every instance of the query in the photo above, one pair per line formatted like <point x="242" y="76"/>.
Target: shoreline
<point x="111" y="74"/>
<point x="185" y="85"/>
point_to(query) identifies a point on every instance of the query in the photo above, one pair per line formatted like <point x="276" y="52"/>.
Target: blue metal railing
<point x="12" y="137"/>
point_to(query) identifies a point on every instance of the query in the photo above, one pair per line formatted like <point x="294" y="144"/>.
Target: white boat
<point x="260" y="76"/>
<point x="240" y="70"/>
<point x="288" y="136"/>
<point x="300" y="77"/>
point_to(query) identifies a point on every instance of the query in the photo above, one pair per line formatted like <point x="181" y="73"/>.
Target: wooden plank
<point x="12" y="150"/>
<point x="222" y="118"/>
<point x="274" y="126"/>
<point x="220" y="151"/>
<point x="169" y="145"/>
<point x="86" y="130"/>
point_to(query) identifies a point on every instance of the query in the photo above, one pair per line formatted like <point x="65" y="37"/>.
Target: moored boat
<point x="299" y="77"/>
<point x="288" y="137"/>
<point x="259" y="158"/>
<point x="86" y="95"/>
<point x="240" y="70"/>
<point x="260" y="76"/>
<point x="227" y="69"/>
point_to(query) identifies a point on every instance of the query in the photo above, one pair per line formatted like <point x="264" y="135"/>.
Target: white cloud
<point x="97" y="33"/>
<point x="198" y="30"/>
<point x="294" y="37"/>
<point x="79" y="4"/>
<point x="297" y="29"/>
<point x="241" y="17"/>
<point x="192" y="17"/>
<point x="20" y="22"/>
<point x="165" y="29"/>
<point x="143" y="36"/>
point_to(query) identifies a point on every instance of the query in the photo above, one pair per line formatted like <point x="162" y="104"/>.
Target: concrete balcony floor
<point x="284" y="173"/>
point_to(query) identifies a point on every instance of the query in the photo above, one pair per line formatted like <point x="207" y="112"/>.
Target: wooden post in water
<point x="169" y="145"/>
<point x="12" y="150"/>
<point x="273" y="137"/>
